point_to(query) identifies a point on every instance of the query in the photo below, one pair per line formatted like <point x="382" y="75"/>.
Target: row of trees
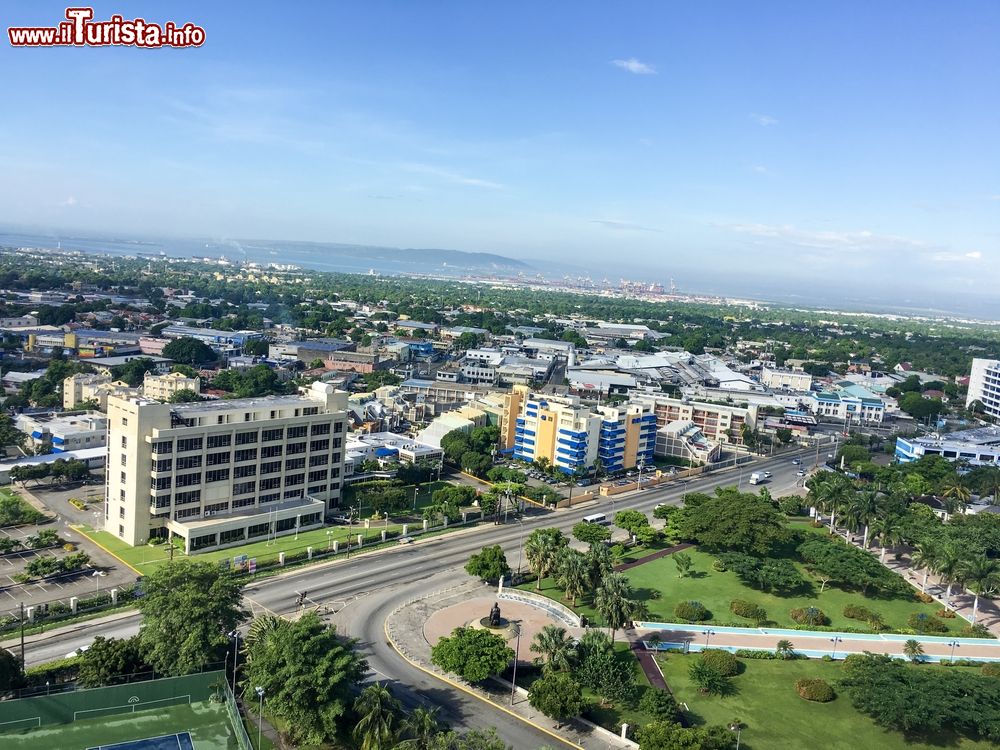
<point x="57" y="472"/>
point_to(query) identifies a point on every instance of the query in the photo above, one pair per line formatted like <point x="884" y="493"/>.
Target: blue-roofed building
<point x="977" y="447"/>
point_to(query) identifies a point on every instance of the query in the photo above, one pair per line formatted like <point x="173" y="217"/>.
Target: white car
<point x="766" y="474"/>
<point x="800" y="473"/>
<point x="78" y="652"/>
<point x="795" y="462"/>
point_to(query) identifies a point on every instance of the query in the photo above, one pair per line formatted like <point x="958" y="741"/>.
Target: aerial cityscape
<point x="442" y="376"/>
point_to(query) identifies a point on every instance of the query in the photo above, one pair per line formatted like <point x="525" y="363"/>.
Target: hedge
<point x="691" y="611"/>
<point x="818" y="691"/>
<point x="723" y="662"/>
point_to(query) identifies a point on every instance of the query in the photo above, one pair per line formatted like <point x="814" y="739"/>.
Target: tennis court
<point x="179" y="741"/>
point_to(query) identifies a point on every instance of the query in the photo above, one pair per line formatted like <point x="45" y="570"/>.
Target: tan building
<point x="222" y="473"/>
<point x="785" y="379"/>
<point x="84" y="387"/>
<point x="162" y="387"/>
<point x="719" y="423"/>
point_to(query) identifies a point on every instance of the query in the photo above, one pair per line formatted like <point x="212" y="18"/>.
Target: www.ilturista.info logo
<point x="81" y="30"/>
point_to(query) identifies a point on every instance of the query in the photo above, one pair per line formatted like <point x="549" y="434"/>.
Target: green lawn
<point x="715" y="590"/>
<point x="207" y="722"/>
<point x="776" y="718"/>
<point x="148" y="557"/>
<point x="657" y="584"/>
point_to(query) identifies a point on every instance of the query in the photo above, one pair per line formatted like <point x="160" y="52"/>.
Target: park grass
<point x="776" y="718"/>
<point x="656" y="583"/>
<point x="207" y="722"/>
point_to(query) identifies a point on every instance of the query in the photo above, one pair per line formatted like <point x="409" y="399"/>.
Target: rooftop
<point x="980" y="437"/>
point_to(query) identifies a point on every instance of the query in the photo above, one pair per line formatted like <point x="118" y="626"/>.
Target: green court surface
<point x="207" y="722"/>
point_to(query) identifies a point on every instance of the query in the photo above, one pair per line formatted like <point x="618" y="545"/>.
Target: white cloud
<point x="760" y="169"/>
<point x="862" y="239"/>
<point x="633" y="65"/>
<point x="763" y="120"/>
<point x="449" y="176"/>
<point x="994" y="197"/>
<point x="950" y="257"/>
<point x="70" y="201"/>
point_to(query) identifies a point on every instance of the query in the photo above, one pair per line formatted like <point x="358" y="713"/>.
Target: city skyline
<point x="842" y="145"/>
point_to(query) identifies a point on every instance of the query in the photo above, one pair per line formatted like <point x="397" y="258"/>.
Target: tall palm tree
<point x="925" y="558"/>
<point x="541" y="551"/>
<point x="886" y="528"/>
<point x="573" y="573"/>
<point x="862" y="509"/>
<point x="600" y="561"/>
<point x="422" y="725"/>
<point x="615" y="602"/>
<point x="377" y="708"/>
<point x="982" y="574"/>
<point x="950" y="566"/>
<point x="556" y="648"/>
<point x="957" y="493"/>
<point x="784" y="649"/>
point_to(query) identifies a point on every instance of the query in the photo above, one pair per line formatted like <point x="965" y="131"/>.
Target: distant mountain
<point x="395" y="259"/>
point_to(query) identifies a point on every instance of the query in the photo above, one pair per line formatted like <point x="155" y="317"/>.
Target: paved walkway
<point x="414" y="627"/>
<point x="649" y="558"/>
<point x="815" y="644"/>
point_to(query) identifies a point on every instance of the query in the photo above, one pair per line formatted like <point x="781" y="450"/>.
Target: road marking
<point x="255" y="605"/>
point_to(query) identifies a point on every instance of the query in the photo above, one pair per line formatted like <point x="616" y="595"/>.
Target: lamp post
<point x="708" y="634"/>
<point x="236" y="654"/>
<point x="260" y="714"/>
<point x="415" y="490"/>
<point x="737" y="726"/>
<point x="954" y="645"/>
<point x="517" y="652"/>
<point x="520" y="546"/>
<point x="835" y="640"/>
<point x="641" y="464"/>
<point x="350" y="529"/>
<point x="98" y="575"/>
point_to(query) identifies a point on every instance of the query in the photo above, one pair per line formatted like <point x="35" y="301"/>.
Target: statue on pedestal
<point x="495" y="615"/>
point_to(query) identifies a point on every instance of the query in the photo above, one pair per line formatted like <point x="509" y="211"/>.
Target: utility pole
<point x="22" y="638"/>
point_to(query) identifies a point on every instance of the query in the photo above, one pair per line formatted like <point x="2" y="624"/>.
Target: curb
<point x="464" y="689"/>
<point x="78" y="528"/>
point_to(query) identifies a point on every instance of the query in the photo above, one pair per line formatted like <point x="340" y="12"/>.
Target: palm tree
<point x="615" y="602"/>
<point x="982" y="574"/>
<point x="925" y="558"/>
<point x="912" y="650"/>
<point x="541" y="551"/>
<point x="784" y="649"/>
<point x="377" y="708"/>
<point x="600" y="561"/>
<point x="422" y="725"/>
<point x="886" y="528"/>
<point x="950" y="566"/>
<point x="557" y="648"/>
<point x="862" y="509"/>
<point x="957" y="492"/>
<point x="573" y="573"/>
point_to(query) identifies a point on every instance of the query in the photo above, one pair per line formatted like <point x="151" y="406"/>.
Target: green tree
<point x="588" y="533"/>
<point x="631" y="521"/>
<point x="10" y="671"/>
<point x="189" y="351"/>
<point x="109" y="661"/>
<point x="422" y="726"/>
<point x="732" y="520"/>
<point x="784" y="649"/>
<point x="308" y="672"/>
<point x="542" y="548"/>
<point x="377" y="709"/>
<point x="187" y="610"/>
<point x="557" y="695"/>
<point x="982" y="575"/>
<point x="474" y="740"/>
<point x="912" y="650"/>
<point x="573" y="573"/>
<point x="683" y="562"/>
<point x="472" y="654"/>
<point x="489" y="564"/>
<point x="708" y="679"/>
<point x="184" y="396"/>
<point x="670" y="735"/>
<point x="616" y="603"/>
<point x="556" y="649"/>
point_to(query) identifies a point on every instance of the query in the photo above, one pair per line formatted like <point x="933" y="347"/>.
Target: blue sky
<point x="841" y="143"/>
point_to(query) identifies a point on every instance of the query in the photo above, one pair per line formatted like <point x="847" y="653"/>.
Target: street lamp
<point x="642" y="464"/>
<point x="517" y="652"/>
<point x="954" y="645"/>
<point x="708" y="634"/>
<point x="236" y="654"/>
<point x="260" y="713"/>
<point x="737" y="726"/>
<point x="835" y="640"/>
<point x="98" y="575"/>
<point x="520" y="539"/>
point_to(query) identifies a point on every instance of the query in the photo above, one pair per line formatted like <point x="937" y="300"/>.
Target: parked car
<point x="796" y="462"/>
<point x="78" y="651"/>
<point x="405" y="540"/>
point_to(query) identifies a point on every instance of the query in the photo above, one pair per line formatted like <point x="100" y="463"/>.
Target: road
<point x="363" y="590"/>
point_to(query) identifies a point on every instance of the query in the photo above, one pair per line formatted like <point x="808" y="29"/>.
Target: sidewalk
<point x="404" y="629"/>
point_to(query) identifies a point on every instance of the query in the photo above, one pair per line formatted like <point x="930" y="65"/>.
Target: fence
<point x="66" y="707"/>
<point x="235" y="719"/>
<point x="560" y="612"/>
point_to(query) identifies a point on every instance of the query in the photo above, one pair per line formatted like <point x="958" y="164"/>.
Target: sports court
<point x="195" y="712"/>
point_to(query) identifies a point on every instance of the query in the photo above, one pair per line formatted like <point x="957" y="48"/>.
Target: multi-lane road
<point x="362" y="591"/>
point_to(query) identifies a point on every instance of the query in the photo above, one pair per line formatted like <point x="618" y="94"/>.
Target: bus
<point x="595" y="518"/>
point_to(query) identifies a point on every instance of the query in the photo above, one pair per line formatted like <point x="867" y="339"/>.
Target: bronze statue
<point x="495" y="615"/>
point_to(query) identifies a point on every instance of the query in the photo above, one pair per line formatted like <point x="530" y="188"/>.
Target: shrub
<point x="818" y="691"/>
<point x="817" y="524"/>
<point x="69" y="547"/>
<point x="947" y="614"/>
<point x="991" y="670"/>
<point x="747" y="609"/>
<point x="923" y="623"/>
<point x="976" y="631"/>
<point x="858" y="612"/>
<point x="655" y="594"/>
<point x="718" y="566"/>
<point x="721" y="661"/>
<point x="660" y="704"/>
<point x="809" y="616"/>
<point x="925" y="598"/>
<point x="691" y="611"/>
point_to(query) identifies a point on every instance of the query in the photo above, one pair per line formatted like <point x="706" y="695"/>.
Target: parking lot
<point x="59" y="587"/>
